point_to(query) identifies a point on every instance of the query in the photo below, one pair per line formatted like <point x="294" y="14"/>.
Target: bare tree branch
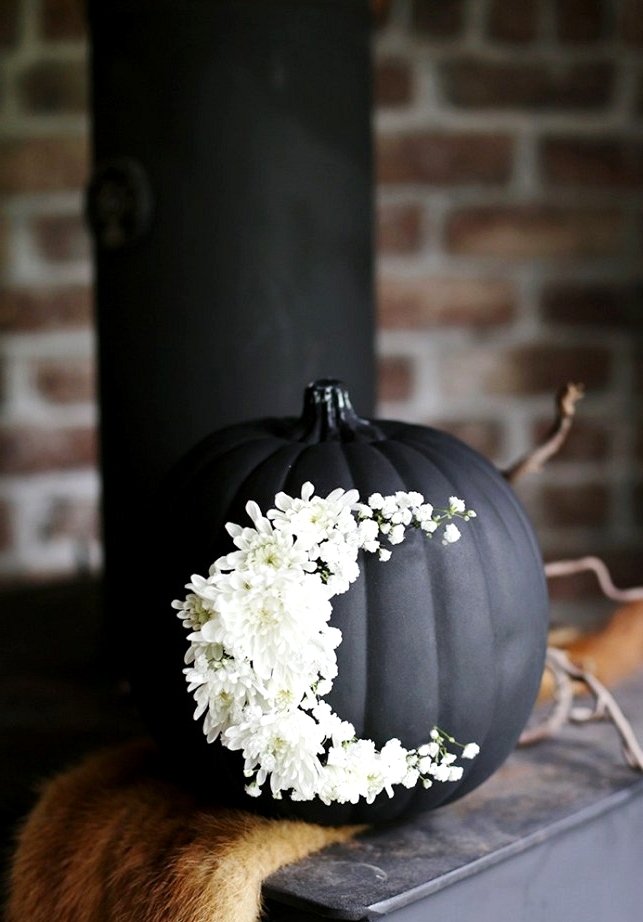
<point x="570" y="567"/>
<point x="566" y="400"/>
<point x="605" y="708"/>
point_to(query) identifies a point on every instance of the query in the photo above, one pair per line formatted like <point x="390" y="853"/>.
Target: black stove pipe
<point x="231" y="208"/>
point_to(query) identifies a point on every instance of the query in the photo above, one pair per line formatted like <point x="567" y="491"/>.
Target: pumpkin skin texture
<point x="450" y="636"/>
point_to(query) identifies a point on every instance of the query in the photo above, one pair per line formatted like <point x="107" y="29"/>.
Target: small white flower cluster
<point x="262" y="651"/>
<point x="392" y="515"/>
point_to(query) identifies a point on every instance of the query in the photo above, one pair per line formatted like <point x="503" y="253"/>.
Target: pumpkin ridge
<point x="268" y="482"/>
<point x="487" y="481"/>
<point x="352" y="454"/>
<point x="387" y="449"/>
<point x="361" y="472"/>
<point x="194" y="464"/>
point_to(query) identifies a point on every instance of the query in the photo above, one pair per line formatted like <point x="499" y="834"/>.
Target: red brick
<point x="399" y="228"/>
<point x="70" y="518"/>
<point x="426" y="301"/>
<point x="444" y="159"/>
<point x="61" y="238"/>
<point x="594" y="304"/>
<point x="444" y="19"/>
<point x="587" y="441"/>
<point x="484" y="435"/>
<point x="66" y="382"/>
<point x="9" y="24"/>
<point x="63" y="19"/>
<point x="544" y="368"/>
<point x="631" y="22"/>
<point x="585" y="505"/>
<point x="509" y="21"/>
<point x="583" y="20"/>
<point x="534" y="231"/>
<point x="43" y="164"/>
<point x="474" y="83"/>
<point x="54" y="87"/>
<point x="392" y="83"/>
<point x="394" y="378"/>
<point x="26" y="309"/>
<point x="30" y="450"/>
<point x="538" y="368"/>
<point x="593" y="162"/>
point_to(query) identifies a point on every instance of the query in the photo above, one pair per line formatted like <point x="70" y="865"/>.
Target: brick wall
<point x="510" y="174"/>
<point x="48" y="479"/>
<point x="510" y="180"/>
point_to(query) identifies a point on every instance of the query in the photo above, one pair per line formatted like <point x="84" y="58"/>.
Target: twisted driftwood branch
<point x="605" y="708"/>
<point x="569" y="567"/>
<point x="566" y="400"/>
<point x="566" y="673"/>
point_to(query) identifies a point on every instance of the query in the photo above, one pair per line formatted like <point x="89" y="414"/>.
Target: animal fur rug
<point x="111" y="841"/>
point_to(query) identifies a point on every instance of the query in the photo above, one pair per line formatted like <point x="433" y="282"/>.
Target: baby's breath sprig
<point x="261" y="657"/>
<point x="395" y="513"/>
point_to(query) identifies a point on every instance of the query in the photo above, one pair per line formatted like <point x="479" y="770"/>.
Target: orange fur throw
<point x="112" y="841"/>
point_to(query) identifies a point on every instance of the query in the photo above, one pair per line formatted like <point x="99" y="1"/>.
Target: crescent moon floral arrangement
<point x="261" y="653"/>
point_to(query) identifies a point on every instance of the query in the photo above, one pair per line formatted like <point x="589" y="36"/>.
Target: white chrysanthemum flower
<point x="223" y="689"/>
<point x="271" y="627"/>
<point x="285" y="745"/>
<point x="312" y="519"/>
<point x="261" y="650"/>
<point x="267" y="550"/>
<point x="193" y="612"/>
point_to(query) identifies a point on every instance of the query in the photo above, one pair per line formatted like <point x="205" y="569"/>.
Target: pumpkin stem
<point x="328" y="416"/>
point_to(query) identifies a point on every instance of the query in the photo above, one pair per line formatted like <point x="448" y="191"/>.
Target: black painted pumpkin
<point x="449" y="636"/>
